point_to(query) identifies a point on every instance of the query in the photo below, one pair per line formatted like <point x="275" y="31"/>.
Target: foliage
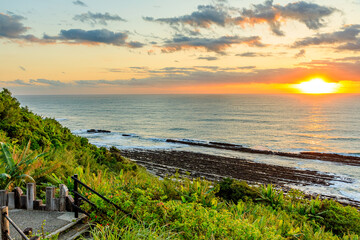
<point x="232" y="190"/>
<point x="121" y="229"/>
<point x="16" y="167"/>
<point x="339" y="219"/>
<point x="178" y="204"/>
<point x="173" y="208"/>
<point x="327" y="213"/>
<point x="20" y="125"/>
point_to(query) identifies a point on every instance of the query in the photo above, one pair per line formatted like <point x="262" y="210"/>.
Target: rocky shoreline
<point x="330" y="157"/>
<point x="214" y="168"/>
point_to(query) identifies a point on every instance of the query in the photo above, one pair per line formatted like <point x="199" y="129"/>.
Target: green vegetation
<point x="16" y="167"/>
<point x="173" y="208"/>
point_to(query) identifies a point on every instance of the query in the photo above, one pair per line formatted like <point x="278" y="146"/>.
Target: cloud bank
<point x="346" y="69"/>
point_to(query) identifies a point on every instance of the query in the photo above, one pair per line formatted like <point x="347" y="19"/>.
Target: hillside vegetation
<point x="173" y="208"/>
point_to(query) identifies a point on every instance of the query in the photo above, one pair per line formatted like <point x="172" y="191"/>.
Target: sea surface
<point x="287" y="123"/>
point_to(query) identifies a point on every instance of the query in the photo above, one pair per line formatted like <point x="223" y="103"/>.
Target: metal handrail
<point x="78" y="195"/>
<point x="16" y="228"/>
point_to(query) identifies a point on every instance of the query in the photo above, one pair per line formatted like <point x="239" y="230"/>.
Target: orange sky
<point x="88" y="47"/>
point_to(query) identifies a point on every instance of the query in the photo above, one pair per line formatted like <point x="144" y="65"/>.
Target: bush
<point x="234" y="191"/>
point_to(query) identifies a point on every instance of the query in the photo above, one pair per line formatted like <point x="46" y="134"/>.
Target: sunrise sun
<point x="317" y="86"/>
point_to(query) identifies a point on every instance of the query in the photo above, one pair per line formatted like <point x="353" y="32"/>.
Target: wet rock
<point x="98" y="131"/>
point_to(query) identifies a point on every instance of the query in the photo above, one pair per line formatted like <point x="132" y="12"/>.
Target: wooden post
<point x="3" y="198"/>
<point x="5" y="230"/>
<point x="18" y="192"/>
<point x="38" y="204"/>
<point x="11" y="200"/>
<point x="64" y="192"/>
<point x="69" y="203"/>
<point x="55" y="204"/>
<point x="76" y="196"/>
<point x="23" y="202"/>
<point x="30" y="196"/>
<point x="50" y="194"/>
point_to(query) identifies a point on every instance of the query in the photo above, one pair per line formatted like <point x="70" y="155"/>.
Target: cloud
<point x="104" y="36"/>
<point x="204" y="17"/>
<point x="16" y="82"/>
<point x="79" y="3"/>
<point x="253" y="54"/>
<point x="22" y="68"/>
<point x="98" y="18"/>
<point x="351" y="46"/>
<point x="310" y="14"/>
<point x="209" y="58"/>
<point x="54" y="83"/>
<point x="301" y="53"/>
<point x="218" y="45"/>
<point x="10" y="26"/>
<point x="334" y="70"/>
<point x="247" y="67"/>
<point x="348" y="34"/>
<point x="134" y="44"/>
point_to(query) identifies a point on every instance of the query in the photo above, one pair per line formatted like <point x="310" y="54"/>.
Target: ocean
<point x="286" y="123"/>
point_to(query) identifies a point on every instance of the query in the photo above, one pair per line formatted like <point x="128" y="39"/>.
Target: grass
<point x="173" y="208"/>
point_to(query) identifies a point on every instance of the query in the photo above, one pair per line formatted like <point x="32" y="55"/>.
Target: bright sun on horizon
<point x="317" y="86"/>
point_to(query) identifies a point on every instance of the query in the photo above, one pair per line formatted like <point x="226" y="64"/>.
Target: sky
<point x="177" y="47"/>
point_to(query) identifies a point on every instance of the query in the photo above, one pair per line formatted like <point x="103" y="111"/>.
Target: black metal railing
<point x="78" y="198"/>
<point x="5" y="229"/>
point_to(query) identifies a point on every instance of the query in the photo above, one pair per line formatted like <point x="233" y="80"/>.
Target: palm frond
<point x="5" y="176"/>
<point x="7" y="158"/>
<point x="25" y="176"/>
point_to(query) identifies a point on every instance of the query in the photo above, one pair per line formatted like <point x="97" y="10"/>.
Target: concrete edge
<point x="78" y="234"/>
<point x="66" y="227"/>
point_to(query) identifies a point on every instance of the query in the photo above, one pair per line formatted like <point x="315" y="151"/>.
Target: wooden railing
<point x="5" y="227"/>
<point x="78" y="198"/>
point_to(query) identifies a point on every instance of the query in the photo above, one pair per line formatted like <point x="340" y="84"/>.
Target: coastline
<point x="330" y="157"/>
<point x="215" y="168"/>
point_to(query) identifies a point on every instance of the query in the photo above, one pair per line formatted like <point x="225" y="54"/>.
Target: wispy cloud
<point x="54" y="83"/>
<point x="218" y="45"/>
<point x="337" y="69"/>
<point x="208" y="58"/>
<point x="16" y="82"/>
<point x="253" y="54"/>
<point x="348" y="34"/>
<point x="98" y="18"/>
<point x="301" y="53"/>
<point x="79" y="3"/>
